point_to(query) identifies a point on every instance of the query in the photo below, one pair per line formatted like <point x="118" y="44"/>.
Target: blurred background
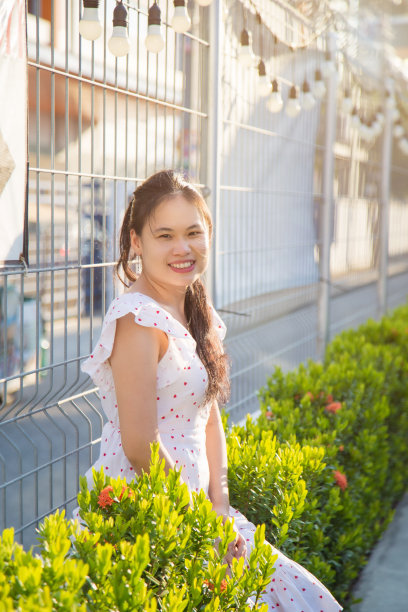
<point x="290" y="116"/>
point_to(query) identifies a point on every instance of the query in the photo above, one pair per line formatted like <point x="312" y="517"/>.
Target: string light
<point x="293" y="108"/>
<point x="275" y="102"/>
<point x="318" y="87"/>
<point x="398" y="130"/>
<point x="89" y="25"/>
<point x="308" y="100"/>
<point x="119" y="42"/>
<point x="245" y="55"/>
<point x="154" y="41"/>
<point x="181" y="21"/>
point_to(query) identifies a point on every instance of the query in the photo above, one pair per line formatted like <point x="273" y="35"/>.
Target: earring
<point x="138" y="265"/>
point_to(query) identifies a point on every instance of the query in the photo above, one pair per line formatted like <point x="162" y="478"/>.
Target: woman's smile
<point x="183" y="266"/>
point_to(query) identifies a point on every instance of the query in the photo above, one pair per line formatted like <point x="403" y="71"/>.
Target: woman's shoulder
<point x="146" y="312"/>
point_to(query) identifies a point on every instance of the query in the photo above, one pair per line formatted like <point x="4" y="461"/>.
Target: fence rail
<point x="97" y="127"/>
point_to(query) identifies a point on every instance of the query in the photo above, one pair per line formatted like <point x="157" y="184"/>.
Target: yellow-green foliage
<point x="344" y="422"/>
<point x="144" y="546"/>
<point x="321" y="469"/>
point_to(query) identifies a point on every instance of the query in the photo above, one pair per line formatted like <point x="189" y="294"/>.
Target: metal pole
<point x="214" y="140"/>
<point x="323" y="302"/>
<point x="384" y="205"/>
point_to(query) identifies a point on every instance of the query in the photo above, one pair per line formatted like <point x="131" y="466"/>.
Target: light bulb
<point x="275" y="102"/>
<point x="398" y="130"/>
<point x="347" y="102"/>
<point x="154" y="41"/>
<point x="370" y="132"/>
<point x="292" y="108"/>
<point x="90" y="26"/>
<point x="181" y="21"/>
<point x="355" y="119"/>
<point x="204" y="2"/>
<point x="318" y="87"/>
<point x="376" y="126"/>
<point x="245" y="55"/>
<point x="403" y="145"/>
<point x="389" y="101"/>
<point x="308" y="100"/>
<point x="264" y="84"/>
<point x="328" y="66"/>
<point x="380" y="117"/>
<point x="119" y="42"/>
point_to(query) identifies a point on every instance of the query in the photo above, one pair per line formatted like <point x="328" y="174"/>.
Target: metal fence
<point x="97" y="127"/>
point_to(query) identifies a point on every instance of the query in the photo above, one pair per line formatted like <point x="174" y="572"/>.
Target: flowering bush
<point x="321" y="470"/>
<point x="344" y="427"/>
<point x="144" y="546"/>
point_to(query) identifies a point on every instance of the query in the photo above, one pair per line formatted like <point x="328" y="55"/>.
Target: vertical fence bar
<point x="384" y="206"/>
<point x="214" y="111"/>
<point x="323" y="301"/>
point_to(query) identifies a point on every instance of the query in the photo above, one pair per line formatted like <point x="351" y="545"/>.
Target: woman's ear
<point x="135" y="242"/>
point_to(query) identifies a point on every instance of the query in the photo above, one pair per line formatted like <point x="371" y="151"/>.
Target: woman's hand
<point x="236" y="549"/>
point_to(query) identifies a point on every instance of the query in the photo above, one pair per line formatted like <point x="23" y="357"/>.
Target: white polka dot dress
<point x="182" y="418"/>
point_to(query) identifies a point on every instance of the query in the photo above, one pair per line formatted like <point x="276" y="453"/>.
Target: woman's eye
<point x="164" y="236"/>
<point x="196" y="233"/>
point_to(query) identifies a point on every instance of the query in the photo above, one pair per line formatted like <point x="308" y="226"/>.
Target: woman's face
<point x="174" y="243"/>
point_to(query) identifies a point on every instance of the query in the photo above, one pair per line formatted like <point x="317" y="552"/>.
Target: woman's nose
<point x="181" y="246"/>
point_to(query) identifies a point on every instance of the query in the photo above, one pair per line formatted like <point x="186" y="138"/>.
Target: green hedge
<point x="347" y="420"/>
<point x="322" y="469"/>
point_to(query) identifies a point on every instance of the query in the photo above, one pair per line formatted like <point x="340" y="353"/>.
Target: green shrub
<point x="144" y="546"/>
<point x="345" y="424"/>
<point x="321" y="470"/>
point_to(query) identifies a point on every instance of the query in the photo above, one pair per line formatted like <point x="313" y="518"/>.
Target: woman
<point x="161" y="369"/>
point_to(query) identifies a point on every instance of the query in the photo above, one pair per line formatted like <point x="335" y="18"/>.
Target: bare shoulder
<point x="136" y="341"/>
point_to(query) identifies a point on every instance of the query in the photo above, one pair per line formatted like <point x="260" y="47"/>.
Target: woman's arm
<point x="218" y="489"/>
<point x="134" y="359"/>
<point x="217" y="462"/>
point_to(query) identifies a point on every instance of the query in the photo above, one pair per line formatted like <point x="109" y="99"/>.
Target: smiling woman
<point x="161" y="370"/>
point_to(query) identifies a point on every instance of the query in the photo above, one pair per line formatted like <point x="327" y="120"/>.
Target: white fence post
<point x="384" y="205"/>
<point x="323" y="302"/>
<point x="214" y="137"/>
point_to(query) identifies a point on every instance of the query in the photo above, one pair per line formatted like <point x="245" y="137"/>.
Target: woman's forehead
<point x="176" y="211"/>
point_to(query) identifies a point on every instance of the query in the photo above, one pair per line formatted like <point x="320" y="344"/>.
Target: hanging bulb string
<point x="317" y="32"/>
<point x="145" y="13"/>
<point x="331" y="20"/>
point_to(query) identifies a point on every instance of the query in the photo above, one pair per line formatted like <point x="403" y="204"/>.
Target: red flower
<point x="208" y="584"/>
<point x="341" y="447"/>
<point x="104" y="498"/>
<point x="329" y="398"/>
<point x="340" y="479"/>
<point x="333" y="407"/>
<point x="269" y="414"/>
<point x="223" y="585"/>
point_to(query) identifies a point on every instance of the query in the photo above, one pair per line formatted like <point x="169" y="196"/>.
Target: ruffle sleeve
<point x="146" y="313"/>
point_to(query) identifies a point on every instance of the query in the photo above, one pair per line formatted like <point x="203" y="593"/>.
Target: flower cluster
<point x="333" y="407"/>
<point x="210" y="585"/>
<point x="104" y="498"/>
<point x="340" y="479"/>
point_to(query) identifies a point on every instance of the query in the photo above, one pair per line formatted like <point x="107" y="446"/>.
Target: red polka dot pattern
<point x="182" y="417"/>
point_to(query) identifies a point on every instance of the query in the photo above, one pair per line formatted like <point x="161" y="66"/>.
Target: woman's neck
<point x="169" y="297"/>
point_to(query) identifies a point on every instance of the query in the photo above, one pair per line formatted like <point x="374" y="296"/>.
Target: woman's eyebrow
<point x="169" y="229"/>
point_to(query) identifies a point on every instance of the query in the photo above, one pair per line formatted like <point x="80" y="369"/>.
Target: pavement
<point x="383" y="583"/>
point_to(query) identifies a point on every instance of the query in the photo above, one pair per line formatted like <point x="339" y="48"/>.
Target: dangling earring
<point x="138" y="265"/>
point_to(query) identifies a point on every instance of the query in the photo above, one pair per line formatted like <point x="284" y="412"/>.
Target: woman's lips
<point x="184" y="269"/>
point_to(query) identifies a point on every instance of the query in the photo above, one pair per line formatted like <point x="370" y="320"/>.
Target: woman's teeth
<point x="186" y="264"/>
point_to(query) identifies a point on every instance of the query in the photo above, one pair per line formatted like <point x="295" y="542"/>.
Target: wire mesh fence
<point x="97" y="127"/>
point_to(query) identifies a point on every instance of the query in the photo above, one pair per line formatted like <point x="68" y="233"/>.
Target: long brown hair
<point x="146" y="198"/>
